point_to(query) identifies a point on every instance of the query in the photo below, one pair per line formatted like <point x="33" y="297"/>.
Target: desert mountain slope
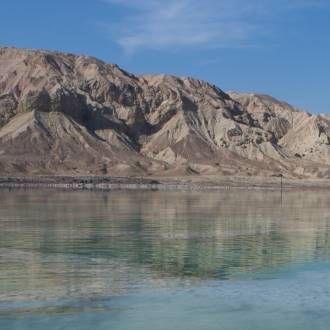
<point x="67" y="114"/>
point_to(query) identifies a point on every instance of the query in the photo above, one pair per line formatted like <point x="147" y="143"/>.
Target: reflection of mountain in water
<point x="95" y="241"/>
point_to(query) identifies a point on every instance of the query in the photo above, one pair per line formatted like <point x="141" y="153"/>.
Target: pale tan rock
<point x="67" y="114"/>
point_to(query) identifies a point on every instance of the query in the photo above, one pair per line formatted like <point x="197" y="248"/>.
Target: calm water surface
<point x="164" y="260"/>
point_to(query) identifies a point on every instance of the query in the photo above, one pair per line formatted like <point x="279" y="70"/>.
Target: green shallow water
<point x="162" y="260"/>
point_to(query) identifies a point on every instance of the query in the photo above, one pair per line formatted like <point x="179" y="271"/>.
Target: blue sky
<point x="276" y="47"/>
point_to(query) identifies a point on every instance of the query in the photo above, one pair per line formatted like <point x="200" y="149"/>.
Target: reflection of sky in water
<point x="217" y="260"/>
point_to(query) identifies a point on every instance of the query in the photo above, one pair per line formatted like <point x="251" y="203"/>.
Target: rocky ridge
<point x="75" y="115"/>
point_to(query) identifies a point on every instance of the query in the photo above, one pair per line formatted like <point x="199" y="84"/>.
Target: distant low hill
<point x="76" y="115"/>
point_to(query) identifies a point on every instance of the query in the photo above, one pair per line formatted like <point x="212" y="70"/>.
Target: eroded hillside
<point x="67" y="114"/>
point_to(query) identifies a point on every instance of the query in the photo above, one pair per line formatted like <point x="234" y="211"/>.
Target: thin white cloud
<point x="158" y="24"/>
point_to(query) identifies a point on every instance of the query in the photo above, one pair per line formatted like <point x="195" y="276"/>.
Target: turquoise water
<point x="164" y="260"/>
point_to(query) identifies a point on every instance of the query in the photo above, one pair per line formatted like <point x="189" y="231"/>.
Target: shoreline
<point x="159" y="183"/>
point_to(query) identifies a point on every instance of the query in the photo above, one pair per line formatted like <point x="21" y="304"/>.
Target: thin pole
<point x="281" y="187"/>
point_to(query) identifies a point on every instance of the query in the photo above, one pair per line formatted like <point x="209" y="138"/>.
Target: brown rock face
<point x="66" y="114"/>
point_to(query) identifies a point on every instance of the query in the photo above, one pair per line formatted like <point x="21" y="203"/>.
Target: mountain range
<point x="64" y="114"/>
